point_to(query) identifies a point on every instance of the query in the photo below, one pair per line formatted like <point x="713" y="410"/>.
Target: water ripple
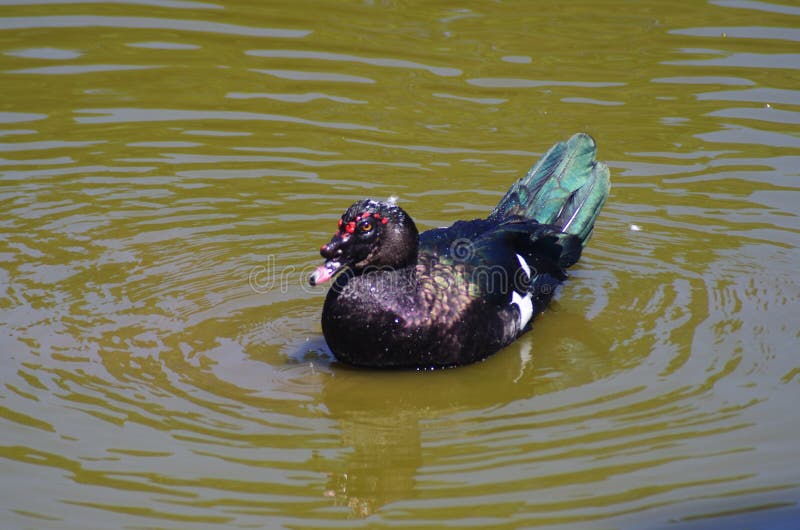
<point x="758" y="6"/>
<point x="130" y="114"/>
<point x="299" y="75"/>
<point x="742" y="32"/>
<point x="89" y="21"/>
<point x="327" y="56"/>
<point x="163" y="362"/>
<point x="80" y="69"/>
<point x="172" y="4"/>
<point x="787" y="61"/>
<point x="495" y="82"/>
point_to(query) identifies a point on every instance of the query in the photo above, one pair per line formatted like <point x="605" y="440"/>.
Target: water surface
<point x="169" y="168"/>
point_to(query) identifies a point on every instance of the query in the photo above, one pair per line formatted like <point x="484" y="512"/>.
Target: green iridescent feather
<point x="567" y="188"/>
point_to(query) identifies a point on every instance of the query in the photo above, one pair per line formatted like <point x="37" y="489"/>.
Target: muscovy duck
<point x="455" y="295"/>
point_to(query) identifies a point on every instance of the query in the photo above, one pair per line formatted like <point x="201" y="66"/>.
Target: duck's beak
<point x="332" y="252"/>
<point x="325" y="272"/>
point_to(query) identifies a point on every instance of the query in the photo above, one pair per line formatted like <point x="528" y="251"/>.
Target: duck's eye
<point x="366" y="226"/>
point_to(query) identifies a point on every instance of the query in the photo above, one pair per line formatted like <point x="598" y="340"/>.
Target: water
<point x="169" y="168"/>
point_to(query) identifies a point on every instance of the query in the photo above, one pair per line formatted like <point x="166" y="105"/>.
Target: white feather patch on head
<point x="392" y="200"/>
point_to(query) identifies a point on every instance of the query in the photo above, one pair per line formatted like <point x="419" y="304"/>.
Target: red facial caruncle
<point x="374" y="215"/>
<point x="349" y="228"/>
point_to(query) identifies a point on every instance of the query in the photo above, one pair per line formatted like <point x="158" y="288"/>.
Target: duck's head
<point x="371" y="234"/>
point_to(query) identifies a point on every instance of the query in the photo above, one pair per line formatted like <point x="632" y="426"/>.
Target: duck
<point x="446" y="297"/>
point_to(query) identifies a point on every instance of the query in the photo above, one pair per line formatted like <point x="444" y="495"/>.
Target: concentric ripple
<point x="169" y="168"/>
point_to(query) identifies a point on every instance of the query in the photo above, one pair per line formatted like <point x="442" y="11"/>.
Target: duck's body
<point x="456" y="295"/>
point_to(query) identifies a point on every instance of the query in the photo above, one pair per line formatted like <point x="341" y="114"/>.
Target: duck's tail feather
<point x="566" y="188"/>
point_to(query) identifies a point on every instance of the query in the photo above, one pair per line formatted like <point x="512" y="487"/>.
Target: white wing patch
<point x="525" y="306"/>
<point x="524" y="265"/>
<point x="523" y="303"/>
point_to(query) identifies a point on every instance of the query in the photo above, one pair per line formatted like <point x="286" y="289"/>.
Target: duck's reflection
<point x="384" y="416"/>
<point x="382" y="466"/>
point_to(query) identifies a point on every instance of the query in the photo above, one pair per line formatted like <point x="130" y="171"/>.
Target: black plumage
<point x="455" y="295"/>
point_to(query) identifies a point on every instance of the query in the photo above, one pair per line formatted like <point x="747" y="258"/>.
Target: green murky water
<point x="168" y="170"/>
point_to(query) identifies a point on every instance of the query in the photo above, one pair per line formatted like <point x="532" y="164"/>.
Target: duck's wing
<point x="518" y="262"/>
